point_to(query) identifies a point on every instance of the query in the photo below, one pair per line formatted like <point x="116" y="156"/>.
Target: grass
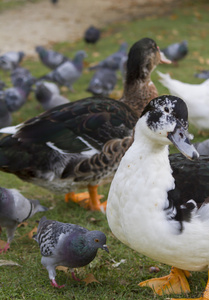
<point x="30" y="279"/>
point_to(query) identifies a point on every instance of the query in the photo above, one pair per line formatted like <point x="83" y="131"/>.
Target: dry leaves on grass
<point x="2" y="244"/>
<point x="8" y="263"/>
<point x="90" y="278"/>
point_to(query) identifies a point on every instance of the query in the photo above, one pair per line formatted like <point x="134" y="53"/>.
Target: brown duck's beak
<point x="164" y="59"/>
<point x="104" y="247"/>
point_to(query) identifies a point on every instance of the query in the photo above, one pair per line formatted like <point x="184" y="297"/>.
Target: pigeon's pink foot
<point x="74" y="277"/>
<point x="53" y="283"/>
<point x="7" y="246"/>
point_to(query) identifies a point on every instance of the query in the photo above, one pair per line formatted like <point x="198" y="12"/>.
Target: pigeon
<point x="92" y="35"/>
<point x="47" y="94"/>
<point x="50" y="58"/>
<point x="103" y="82"/>
<point x="16" y="96"/>
<point x="68" y="72"/>
<point x="113" y="61"/>
<point x="22" y="73"/>
<point x="2" y="85"/>
<point x="5" y="115"/>
<point x="203" y="147"/>
<point x="204" y="74"/>
<point x="11" y="60"/>
<point x="14" y="209"/>
<point x="176" y="51"/>
<point x="69" y="245"/>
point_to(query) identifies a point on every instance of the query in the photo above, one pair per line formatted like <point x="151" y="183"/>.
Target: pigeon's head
<point x="97" y="239"/>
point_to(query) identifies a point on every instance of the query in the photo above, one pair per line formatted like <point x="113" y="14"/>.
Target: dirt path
<point x="43" y="23"/>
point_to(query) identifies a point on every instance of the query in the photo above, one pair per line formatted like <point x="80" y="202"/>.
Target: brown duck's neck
<point x="138" y="94"/>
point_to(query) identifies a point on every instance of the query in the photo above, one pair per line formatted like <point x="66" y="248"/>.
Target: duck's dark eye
<point x="96" y="240"/>
<point x="166" y="109"/>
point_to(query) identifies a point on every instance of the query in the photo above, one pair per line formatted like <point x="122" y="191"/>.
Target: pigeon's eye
<point x="96" y="240"/>
<point x="166" y="109"/>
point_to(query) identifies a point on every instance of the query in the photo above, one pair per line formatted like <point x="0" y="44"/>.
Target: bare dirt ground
<point x="43" y="23"/>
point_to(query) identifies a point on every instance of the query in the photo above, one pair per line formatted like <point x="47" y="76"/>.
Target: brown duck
<point x="80" y="144"/>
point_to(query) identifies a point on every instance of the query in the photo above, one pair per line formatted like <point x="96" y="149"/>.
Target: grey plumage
<point x="68" y="72"/>
<point x="202" y="147"/>
<point x="113" y="60"/>
<point x="50" y="58"/>
<point x="21" y="74"/>
<point x="14" y="209"/>
<point x="203" y="74"/>
<point x="92" y="35"/>
<point x="176" y="51"/>
<point x="64" y="244"/>
<point x="103" y="82"/>
<point x="11" y="60"/>
<point x="16" y="96"/>
<point x="5" y="115"/>
<point x="47" y="93"/>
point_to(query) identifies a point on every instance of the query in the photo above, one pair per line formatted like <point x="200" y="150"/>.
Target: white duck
<point x="196" y="97"/>
<point x="140" y="211"/>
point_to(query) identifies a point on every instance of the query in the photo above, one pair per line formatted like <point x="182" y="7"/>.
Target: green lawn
<point x="30" y="279"/>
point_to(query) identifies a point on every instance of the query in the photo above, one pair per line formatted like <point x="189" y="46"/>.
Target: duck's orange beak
<point x="163" y="58"/>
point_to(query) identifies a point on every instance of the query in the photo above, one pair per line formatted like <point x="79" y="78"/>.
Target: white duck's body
<point x="196" y="97"/>
<point x="139" y="211"/>
<point x="136" y="210"/>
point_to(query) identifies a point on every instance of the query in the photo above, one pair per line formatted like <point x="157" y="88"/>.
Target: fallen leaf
<point x="90" y="278"/>
<point x="61" y="268"/>
<point x="8" y="263"/>
<point x="95" y="54"/>
<point x="2" y="244"/>
<point x="23" y="224"/>
<point x="117" y="264"/>
<point x="31" y="233"/>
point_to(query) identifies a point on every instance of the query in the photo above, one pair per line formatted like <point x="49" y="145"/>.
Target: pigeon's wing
<point x="50" y="232"/>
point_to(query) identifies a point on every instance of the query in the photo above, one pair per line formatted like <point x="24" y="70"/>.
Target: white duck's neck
<point x="148" y="160"/>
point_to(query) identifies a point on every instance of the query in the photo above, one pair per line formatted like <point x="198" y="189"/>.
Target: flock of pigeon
<point x="90" y="141"/>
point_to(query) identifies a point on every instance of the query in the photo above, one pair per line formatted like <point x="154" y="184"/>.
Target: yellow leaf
<point x="95" y="54"/>
<point x="23" y="224"/>
<point x="90" y="278"/>
<point x="2" y="244"/>
<point x="31" y="233"/>
<point x="61" y="268"/>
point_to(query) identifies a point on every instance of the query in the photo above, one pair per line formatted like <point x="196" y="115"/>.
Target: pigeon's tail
<point x="94" y="67"/>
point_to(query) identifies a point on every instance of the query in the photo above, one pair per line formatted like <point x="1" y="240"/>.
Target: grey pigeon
<point x="113" y="61"/>
<point x="203" y="147"/>
<point x="11" y="60"/>
<point x="176" y="51"/>
<point x="204" y="74"/>
<point x="103" y="82"/>
<point x="16" y="96"/>
<point x="69" y="245"/>
<point x="14" y="209"/>
<point x="5" y="115"/>
<point x="22" y="74"/>
<point x="50" y="58"/>
<point x="92" y="35"/>
<point x="47" y="94"/>
<point x="2" y="85"/>
<point x="68" y="72"/>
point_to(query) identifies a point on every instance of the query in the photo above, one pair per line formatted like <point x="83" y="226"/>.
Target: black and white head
<point x="167" y="122"/>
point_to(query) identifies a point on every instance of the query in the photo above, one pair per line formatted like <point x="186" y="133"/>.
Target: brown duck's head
<point x="143" y="57"/>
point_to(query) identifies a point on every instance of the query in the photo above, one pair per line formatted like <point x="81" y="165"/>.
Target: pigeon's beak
<point x="180" y="138"/>
<point x="104" y="247"/>
<point x="164" y="59"/>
